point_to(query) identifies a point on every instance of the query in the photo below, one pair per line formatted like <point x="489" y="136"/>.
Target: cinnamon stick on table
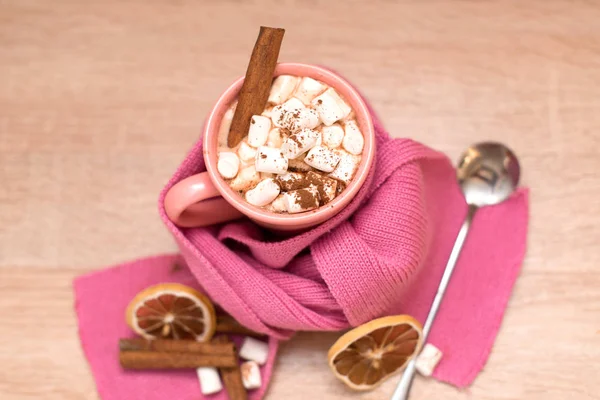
<point x="232" y="376"/>
<point x="257" y="83"/>
<point x="227" y="324"/>
<point x="174" y="354"/>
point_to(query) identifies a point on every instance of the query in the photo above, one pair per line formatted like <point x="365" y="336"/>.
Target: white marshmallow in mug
<point x="299" y="143"/>
<point x="282" y="88"/>
<point x="270" y="159"/>
<point x="346" y="168"/>
<point x="308" y="89"/>
<point x="278" y="205"/>
<point x="228" y="164"/>
<point x="245" y="179"/>
<point x="210" y="382"/>
<point x="353" y="139"/>
<point x="264" y="193"/>
<point x="332" y="135"/>
<point x="322" y="158"/>
<point x="330" y="107"/>
<point x="259" y="130"/>
<point x="246" y="152"/>
<point x="250" y="372"/>
<point x="254" y="350"/>
<point x="275" y="138"/>
<point x="297" y="201"/>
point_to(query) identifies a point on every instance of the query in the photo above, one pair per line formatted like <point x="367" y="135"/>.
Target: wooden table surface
<point x="99" y="101"/>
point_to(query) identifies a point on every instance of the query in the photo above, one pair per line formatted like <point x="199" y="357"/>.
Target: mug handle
<point x="196" y="202"/>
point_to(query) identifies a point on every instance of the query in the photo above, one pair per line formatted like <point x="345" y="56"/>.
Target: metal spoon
<point x="488" y="173"/>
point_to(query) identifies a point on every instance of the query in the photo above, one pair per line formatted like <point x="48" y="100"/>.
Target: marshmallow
<point x="267" y="112"/>
<point x="353" y="140"/>
<point x="259" y="130"/>
<point x="298" y="165"/>
<point x="330" y="107"/>
<point x="301" y="200"/>
<point x="251" y="375"/>
<point x="254" y="350"/>
<point x="210" y="382"/>
<point x="299" y="143"/>
<point x="327" y="187"/>
<point x="270" y="159"/>
<point x="346" y="168"/>
<point x="228" y="164"/>
<point x="245" y="179"/>
<point x="280" y="114"/>
<point x="282" y="88"/>
<point x="264" y="193"/>
<point x="292" y="181"/>
<point x="275" y="138"/>
<point x="428" y="359"/>
<point x="294" y="118"/>
<point x="332" y="135"/>
<point x="293" y="104"/>
<point x="278" y="205"/>
<point x="246" y="152"/>
<point x="308" y="89"/>
<point x="322" y="158"/>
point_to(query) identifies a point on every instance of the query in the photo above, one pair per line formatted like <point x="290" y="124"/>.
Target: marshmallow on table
<point x="254" y="350"/>
<point x="264" y="193"/>
<point x="332" y="135"/>
<point x="308" y="89"/>
<point x="428" y="359"/>
<point x="210" y="382"/>
<point x="228" y="164"/>
<point x="346" y="168"/>
<point x="251" y="375"/>
<point x="322" y="158"/>
<point x="275" y="138"/>
<point x="270" y="159"/>
<point x="245" y="179"/>
<point x="246" y="152"/>
<point x="282" y="88"/>
<point x="259" y="130"/>
<point x="353" y="139"/>
<point x="330" y="107"/>
<point x="327" y="187"/>
<point x="299" y="143"/>
<point x="292" y="181"/>
<point x="301" y="200"/>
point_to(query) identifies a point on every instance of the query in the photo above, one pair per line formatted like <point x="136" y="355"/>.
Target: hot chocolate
<point x="299" y="154"/>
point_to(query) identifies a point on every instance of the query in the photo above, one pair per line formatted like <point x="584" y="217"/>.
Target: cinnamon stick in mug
<point x="254" y="93"/>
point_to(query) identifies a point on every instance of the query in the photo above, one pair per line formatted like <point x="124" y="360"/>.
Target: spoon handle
<point x="403" y="388"/>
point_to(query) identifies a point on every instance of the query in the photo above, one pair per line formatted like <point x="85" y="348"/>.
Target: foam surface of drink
<point x="299" y="154"/>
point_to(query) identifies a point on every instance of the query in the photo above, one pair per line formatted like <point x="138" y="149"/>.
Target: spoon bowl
<point x="488" y="173"/>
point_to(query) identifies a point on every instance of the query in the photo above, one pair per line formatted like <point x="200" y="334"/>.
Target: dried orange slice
<point x="367" y="355"/>
<point x="172" y="311"/>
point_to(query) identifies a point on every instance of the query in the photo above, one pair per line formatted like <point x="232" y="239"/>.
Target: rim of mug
<point x="364" y="121"/>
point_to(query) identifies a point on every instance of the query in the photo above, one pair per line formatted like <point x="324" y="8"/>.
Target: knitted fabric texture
<point x="383" y="254"/>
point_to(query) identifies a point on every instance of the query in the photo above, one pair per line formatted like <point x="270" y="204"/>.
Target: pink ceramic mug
<point x="205" y="198"/>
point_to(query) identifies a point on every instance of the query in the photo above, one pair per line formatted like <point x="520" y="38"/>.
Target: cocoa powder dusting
<point x="306" y="199"/>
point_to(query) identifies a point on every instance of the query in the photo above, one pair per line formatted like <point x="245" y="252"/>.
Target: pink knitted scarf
<point x="384" y="254"/>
